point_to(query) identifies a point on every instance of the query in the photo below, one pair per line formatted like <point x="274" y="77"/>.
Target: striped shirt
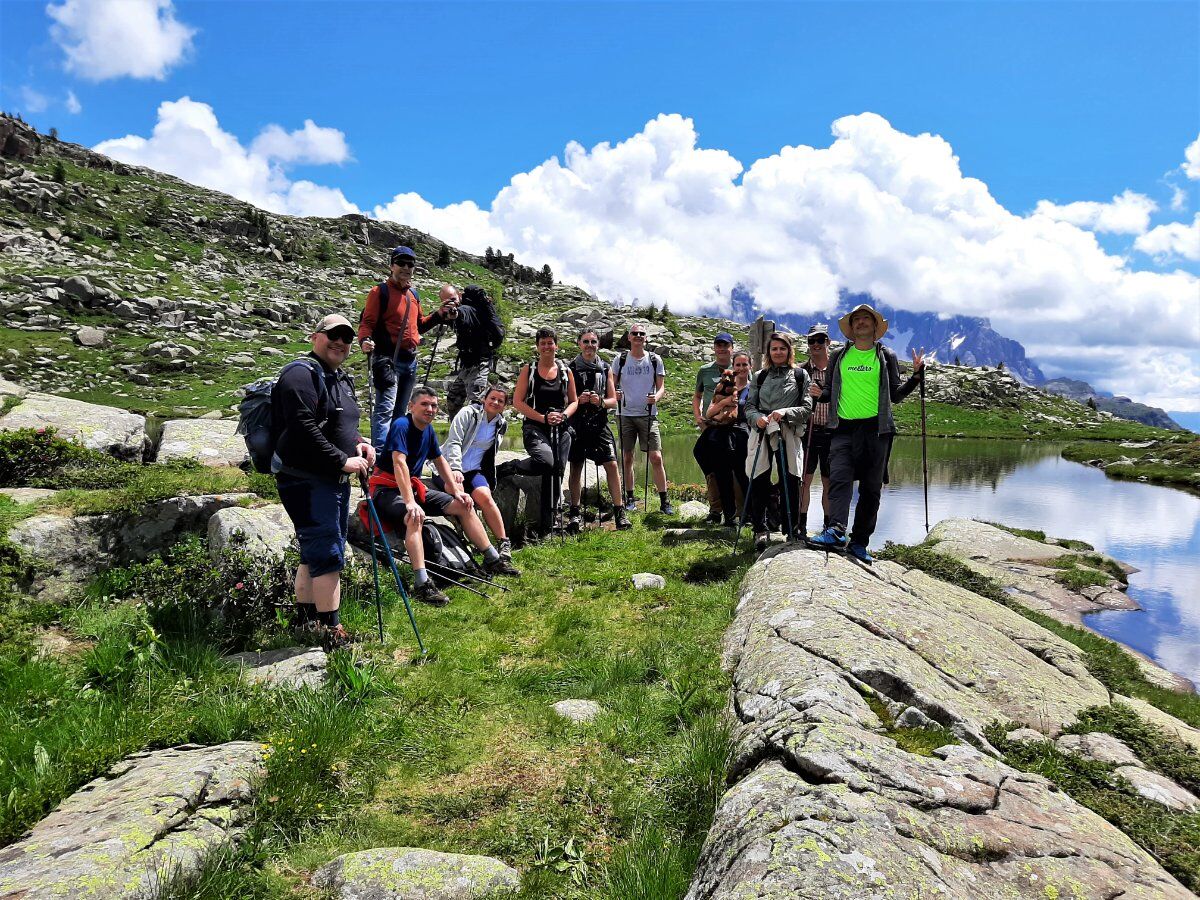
<point x="820" y="413"/>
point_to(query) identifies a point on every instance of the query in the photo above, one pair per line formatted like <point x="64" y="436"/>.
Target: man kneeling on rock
<point x="403" y="500"/>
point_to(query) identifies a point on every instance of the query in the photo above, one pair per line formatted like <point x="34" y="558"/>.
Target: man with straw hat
<point x="863" y="383"/>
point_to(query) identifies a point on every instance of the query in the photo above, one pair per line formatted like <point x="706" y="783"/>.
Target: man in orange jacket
<point x="390" y="330"/>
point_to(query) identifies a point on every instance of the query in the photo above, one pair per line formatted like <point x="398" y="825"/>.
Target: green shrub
<point x="29" y="455"/>
<point x="186" y="596"/>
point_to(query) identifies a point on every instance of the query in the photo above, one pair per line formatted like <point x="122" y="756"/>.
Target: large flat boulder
<point x="264" y="532"/>
<point x="212" y="442"/>
<point x="103" y="428"/>
<point x="409" y="873"/>
<point x="825" y="805"/>
<point x="75" y="548"/>
<point x="116" y="836"/>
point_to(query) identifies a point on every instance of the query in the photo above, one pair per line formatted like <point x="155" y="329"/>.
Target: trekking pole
<point x="371" y="393"/>
<point x="441" y="573"/>
<point x="746" y="502"/>
<point x="375" y="578"/>
<point x="556" y="482"/>
<point x="646" y="482"/>
<point x="433" y="353"/>
<point x="924" y="454"/>
<point x="375" y="523"/>
<point x="783" y="479"/>
<point x="621" y="437"/>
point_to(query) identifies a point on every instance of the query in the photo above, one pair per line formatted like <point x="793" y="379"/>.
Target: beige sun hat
<point x="881" y="325"/>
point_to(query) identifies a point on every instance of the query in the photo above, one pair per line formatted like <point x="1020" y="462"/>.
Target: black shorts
<point x="596" y="445"/>
<point x="817" y="451"/>
<point x="392" y="508"/>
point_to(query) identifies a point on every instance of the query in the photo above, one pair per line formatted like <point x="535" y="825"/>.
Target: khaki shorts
<point x="640" y="431"/>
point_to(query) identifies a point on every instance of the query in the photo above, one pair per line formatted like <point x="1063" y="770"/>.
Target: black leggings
<point x="721" y="452"/>
<point x="542" y="461"/>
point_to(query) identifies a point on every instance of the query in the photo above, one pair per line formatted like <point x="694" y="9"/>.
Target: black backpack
<point x="482" y="340"/>
<point x="379" y="335"/>
<point x="259" y="421"/>
<point x="447" y="551"/>
<point x="654" y="361"/>
<point x="762" y="376"/>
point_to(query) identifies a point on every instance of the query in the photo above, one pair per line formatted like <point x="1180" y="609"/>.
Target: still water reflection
<point x="1029" y="485"/>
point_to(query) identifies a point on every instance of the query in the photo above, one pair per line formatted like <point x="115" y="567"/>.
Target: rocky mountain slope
<point x="1125" y="408"/>
<point x="127" y="287"/>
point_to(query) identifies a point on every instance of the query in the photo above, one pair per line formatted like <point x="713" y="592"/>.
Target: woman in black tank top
<point x="545" y="396"/>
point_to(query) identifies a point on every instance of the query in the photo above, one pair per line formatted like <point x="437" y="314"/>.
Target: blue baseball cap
<point x="723" y="337"/>
<point x="401" y="251"/>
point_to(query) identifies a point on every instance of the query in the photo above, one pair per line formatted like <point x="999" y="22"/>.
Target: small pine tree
<point x="1091" y="402"/>
<point x="117" y="233"/>
<point x="60" y="172"/>
<point x="546" y="277"/>
<point x="325" y="250"/>
<point x="1000" y="366"/>
<point x="651" y="311"/>
<point x="156" y="212"/>
<point x="956" y="360"/>
<point x="54" y="134"/>
<point x="443" y="258"/>
<point x="489" y="258"/>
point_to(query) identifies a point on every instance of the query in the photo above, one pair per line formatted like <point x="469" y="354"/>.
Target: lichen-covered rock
<point x="1098" y="747"/>
<point x="692" y="511"/>
<point x="265" y="532"/>
<point x="648" y="581"/>
<point x="104" y="428"/>
<point x="407" y="873"/>
<point x="212" y="442"/>
<point x="291" y="667"/>
<point x="77" y="547"/>
<point x="1158" y="788"/>
<point x="152" y="814"/>
<point x="825" y="805"/>
<point x="1168" y="723"/>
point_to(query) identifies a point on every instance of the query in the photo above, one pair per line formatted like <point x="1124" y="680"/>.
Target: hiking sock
<point x="490" y="554"/>
<point x="328" y="619"/>
<point x="305" y="613"/>
<point x="662" y="498"/>
<point x="420" y="576"/>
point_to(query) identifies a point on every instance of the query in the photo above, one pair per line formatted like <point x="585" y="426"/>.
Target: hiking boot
<point x="667" y="508"/>
<point x="505" y="549"/>
<point x="428" y="593"/>
<point x="713" y="518"/>
<point x="338" y="636"/>
<point x="729" y="522"/>
<point x="574" y="520"/>
<point x="631" y="503"/>
<point x="623" y="522"/>
<point x="309" y="634"/>
<point x="761" y="539"/>
<point x="859" y="552"/>
<point x="832" y="538"/>
<point x="506" y="470"/>
<point x="501" y="566"/>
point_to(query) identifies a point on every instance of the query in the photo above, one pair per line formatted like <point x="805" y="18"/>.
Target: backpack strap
<point x="624" y="359"/>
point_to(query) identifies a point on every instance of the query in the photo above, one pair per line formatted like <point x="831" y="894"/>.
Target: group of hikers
<point x="834" y="413"/>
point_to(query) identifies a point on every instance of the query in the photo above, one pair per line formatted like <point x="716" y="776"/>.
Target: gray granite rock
<point x="825" y="805"/>
<point x="153" y="813"/>
<point x="104" y="428"/>
<point x="692" y="511"/>
<point x="27" y="495"/>
<point x="1026" y="736"/>
<point x="1099" y="747"/>
<point x="213" y="442"/>
<point x="407" y="873"/>
<point x="261" y="531"/>
<point x="1158" y="788"/>
<point x="578" y="710"/>
<point x="648" y="581"/>
<point x="87" y="336"/>
<point x="291" y="667"/>
<point x="77" y="547"/>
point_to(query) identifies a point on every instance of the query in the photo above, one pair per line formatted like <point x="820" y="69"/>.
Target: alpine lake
<point x="1029" y="485"/>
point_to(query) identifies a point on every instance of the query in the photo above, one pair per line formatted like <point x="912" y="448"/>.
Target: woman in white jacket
<point x="476" y="433"/>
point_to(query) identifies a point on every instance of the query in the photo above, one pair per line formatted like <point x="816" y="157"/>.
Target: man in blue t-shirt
<point x="403" y="500"/>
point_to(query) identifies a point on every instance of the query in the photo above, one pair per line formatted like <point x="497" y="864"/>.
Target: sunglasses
<point x="589" y="342"/>
<point x="637" y="334"/>
<point x="817" y="340"/>
<point x="344" y="335"/>
<point x="405" y="263"/>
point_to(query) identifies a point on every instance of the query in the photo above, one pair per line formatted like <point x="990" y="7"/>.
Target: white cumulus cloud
<point x="657" y="218"/>
<point x="1191" y="160"/>
<point x="74" y="107"/>
<point x="106" y="39"/>
<point x="33" y="100"/>
<point x="1128" y="213"/>
<point x="1174" y="239"/>
<point x="189" y="142"/>
<point x="311" y="144"/>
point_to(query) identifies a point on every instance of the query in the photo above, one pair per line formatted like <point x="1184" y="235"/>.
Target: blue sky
<point x="446" y="104"/>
